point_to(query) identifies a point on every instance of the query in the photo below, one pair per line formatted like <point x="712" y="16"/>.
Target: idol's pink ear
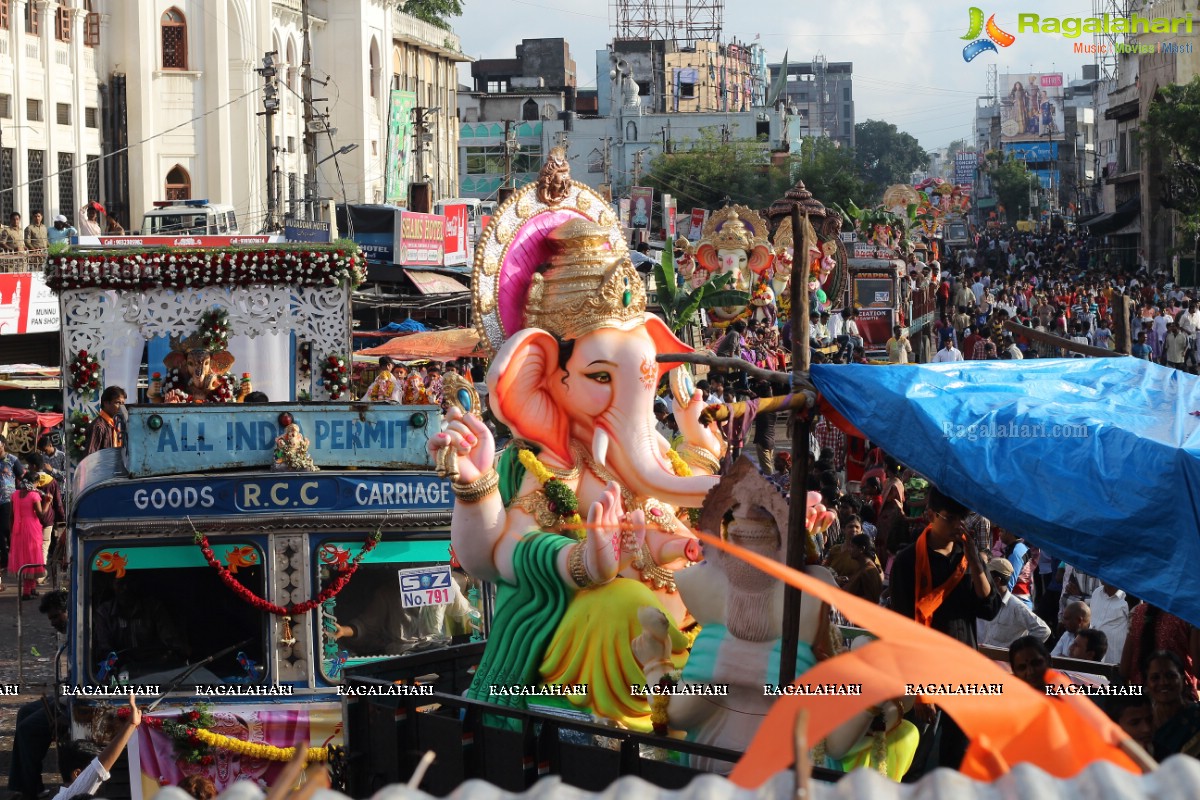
<point x="664" y="342"/>
<point x="519" y="383"/>
<point x="760" y="259"/>
<point x="706" y="257"/>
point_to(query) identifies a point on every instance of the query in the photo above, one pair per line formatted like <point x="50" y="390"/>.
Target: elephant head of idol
<point x="576" y="354"/>
<point x="734" y="241"/>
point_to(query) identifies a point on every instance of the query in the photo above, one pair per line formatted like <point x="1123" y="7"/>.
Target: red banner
<point x="26" y="304"/>
<point x="875" y="326"/>
<point x="456" y="243"/>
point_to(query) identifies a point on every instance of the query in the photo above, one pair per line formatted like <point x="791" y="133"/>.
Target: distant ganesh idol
<point x="577" y="521"/>
<point x="198" y="367"/>
<point x="734" y="241"/>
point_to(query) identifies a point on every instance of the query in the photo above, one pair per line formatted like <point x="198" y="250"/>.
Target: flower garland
<point x="679" y="465"/>
<point x="306" y="265"/>
<point x="214" y="330"/>
<point x="194" y="742"/>
<point x="85" y="374"/>
<point x="78" y="433"/>
<point x="332" y="590"/>
<point x="562" y="499"/>
<point x="334" y="376"/>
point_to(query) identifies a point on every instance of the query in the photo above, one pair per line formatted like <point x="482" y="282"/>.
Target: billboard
<point x="456" y="234"/>
<point x="641" y="204"/>
<point x="399" y="147"/>
<point x="1031" y="107"/>
<point x="964" y="168"/>
<point x="26" y="304"/>
<point x="420" y="240"/>
<point x="1032" y="152"/>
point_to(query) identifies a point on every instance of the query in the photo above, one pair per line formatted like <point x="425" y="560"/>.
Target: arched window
<point x="375" y="70"/>
<point x="529" y="109"/>
<point x="174" y="39"/>
<point x="292" y="70"/>
<point x="179" y="184"/>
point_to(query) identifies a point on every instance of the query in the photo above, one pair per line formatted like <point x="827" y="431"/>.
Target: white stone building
<point x="50" y="140"/>
<point x="131" y="102"/>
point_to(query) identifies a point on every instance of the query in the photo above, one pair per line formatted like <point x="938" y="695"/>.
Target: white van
<point x="190" y="218"/>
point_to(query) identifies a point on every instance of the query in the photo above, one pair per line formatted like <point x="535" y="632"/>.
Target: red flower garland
<point x="329" y="592"/>
<point x="85" y="374"/>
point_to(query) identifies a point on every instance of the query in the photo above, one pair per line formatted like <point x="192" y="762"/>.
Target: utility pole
<point x="608" y="167"/>
<point x="510" y="147"/>
<point x="637" y="167"/>
<point x="270" y="107"/>
<point x="310" y="133"/>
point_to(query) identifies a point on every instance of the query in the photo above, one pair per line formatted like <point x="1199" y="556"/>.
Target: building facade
<point x="50" y="117"/>
<point x="821" y="93"/>
<point x="135" y="102"/>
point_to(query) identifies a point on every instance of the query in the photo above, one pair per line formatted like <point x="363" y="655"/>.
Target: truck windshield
<point x="157" y="608"/>
<point x="175" y="224"/>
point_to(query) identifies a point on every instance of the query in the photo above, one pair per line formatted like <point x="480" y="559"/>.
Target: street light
<point x="341" y="151"/>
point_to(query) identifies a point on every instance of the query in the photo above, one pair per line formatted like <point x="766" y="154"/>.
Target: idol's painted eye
<point x="599" y="377"/>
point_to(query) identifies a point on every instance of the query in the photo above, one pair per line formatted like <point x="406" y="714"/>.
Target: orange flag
<point x="1017" y="725"/>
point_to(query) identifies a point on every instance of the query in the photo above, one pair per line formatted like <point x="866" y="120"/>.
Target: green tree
<point x="886" y="155"/>
<point x="1171" y="139"/>
<point x="828" y="171"/>
<point x="710" y="170"/>
<point x="1012" y="183"/>
<point x="706" y="171"/>
<point x="435" y="12"/>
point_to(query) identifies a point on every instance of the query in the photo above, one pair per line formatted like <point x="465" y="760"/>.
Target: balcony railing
<point x="406" y="27"/>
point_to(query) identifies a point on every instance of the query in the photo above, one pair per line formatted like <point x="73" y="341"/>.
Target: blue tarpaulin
<point x="1097" y="460"/>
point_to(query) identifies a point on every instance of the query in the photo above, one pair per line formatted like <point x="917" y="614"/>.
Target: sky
<point x="907" y="55"/>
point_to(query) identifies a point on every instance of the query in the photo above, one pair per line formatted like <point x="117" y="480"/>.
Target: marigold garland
<point x="344" y="574"/>
<point x="265" y="752"/>
<point x="194" y="742"/>
<point x="563" y="500"/>
<point x="677" y="464"/>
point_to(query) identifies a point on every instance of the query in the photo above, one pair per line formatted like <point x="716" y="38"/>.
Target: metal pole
<point x="310" y="135"/>
<point x="800" y="456"/>
<point x="272" y="191"/>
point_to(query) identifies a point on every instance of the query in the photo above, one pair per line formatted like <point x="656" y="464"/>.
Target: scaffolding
<point x="682" y="21"/>
<point x="1106" y="43"/>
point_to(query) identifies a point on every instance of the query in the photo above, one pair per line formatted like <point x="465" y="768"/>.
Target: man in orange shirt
<point x="108" y="429"/>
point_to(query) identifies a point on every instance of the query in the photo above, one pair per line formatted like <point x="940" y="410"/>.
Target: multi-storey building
<point x="50" y="118"/>
<point x="133" y="102"/>
<point x="821" y="93"/>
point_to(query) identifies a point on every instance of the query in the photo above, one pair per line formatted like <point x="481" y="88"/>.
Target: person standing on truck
<point x="91" y="220"/>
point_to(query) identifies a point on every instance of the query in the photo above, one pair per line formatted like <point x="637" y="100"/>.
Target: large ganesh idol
<point x="198" y="367"/>
<point x="734" y="240"/>
<point x="576" y="520"/>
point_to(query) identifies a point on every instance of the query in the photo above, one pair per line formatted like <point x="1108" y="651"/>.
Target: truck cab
<point x="190" y="218"/>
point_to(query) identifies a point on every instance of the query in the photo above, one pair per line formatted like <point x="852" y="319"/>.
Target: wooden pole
<point x="726" y="362"/>
<point x="788" y="402"/>
<point x="800" y="425"/>
<point x="1058" y="341"/>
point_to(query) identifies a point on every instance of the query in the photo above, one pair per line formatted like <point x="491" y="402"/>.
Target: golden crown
<point x="733" y="228"/>
<point x="587" y="285"/>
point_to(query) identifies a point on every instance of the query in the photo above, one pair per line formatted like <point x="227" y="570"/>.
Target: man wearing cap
<point x="35" y="233"/>
<point x="1015" y="618"/>
<point x="61" y="232"/>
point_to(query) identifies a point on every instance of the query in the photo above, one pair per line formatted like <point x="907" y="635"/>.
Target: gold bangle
<point x="477" y="489"/>
<point x="697" y="456"/>
<point x="576" y="568"/>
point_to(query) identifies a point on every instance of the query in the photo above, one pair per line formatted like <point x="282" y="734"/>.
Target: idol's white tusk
<point x="600" y="446"/>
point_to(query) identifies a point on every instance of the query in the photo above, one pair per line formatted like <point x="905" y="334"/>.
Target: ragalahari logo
<point x="995" y="36"/>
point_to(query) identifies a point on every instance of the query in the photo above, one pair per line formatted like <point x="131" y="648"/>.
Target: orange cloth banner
<point x="1060" y="736"/>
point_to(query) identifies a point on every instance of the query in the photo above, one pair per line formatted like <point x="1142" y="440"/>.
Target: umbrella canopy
<point x="434" y="345"/>
<point x="1096" y="460"/>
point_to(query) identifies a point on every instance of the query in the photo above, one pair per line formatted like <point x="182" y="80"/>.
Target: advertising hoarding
<point x="1031" y="107"/>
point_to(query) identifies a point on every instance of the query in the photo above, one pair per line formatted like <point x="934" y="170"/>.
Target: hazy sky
<point x="907" y="55"/>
